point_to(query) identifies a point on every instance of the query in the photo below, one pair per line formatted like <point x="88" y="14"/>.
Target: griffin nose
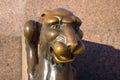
<point x="72" y="45"/>
<point x="71" y="38"/>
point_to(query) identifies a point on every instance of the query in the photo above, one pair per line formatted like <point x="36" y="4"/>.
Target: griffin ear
<point x="43" y="14"/>
<point x="46" y="12"/>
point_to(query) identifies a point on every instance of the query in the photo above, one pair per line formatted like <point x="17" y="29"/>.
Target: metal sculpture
<point x="52" y="45"/>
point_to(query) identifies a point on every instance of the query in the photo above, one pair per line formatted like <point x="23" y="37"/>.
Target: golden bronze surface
<point x="52" y="45"/>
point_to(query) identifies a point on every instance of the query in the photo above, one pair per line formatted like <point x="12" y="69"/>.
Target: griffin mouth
<point x="63" y="54"/>
<point x="62" y="58"/>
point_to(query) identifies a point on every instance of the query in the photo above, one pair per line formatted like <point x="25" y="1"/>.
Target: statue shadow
<point x="99" y="62"/>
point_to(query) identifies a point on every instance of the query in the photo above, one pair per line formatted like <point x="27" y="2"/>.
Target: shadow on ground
<point x="99" y="62"/>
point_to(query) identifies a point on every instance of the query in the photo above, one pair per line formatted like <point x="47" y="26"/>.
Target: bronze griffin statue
<point x="52" y="45"/>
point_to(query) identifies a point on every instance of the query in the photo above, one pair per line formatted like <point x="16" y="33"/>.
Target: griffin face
<point x="61" y="35"/>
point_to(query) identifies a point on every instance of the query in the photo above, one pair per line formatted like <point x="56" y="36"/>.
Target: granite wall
<point x="101" y="27"/>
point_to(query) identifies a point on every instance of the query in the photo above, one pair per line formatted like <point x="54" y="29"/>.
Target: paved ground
<point x="101" y="27"/>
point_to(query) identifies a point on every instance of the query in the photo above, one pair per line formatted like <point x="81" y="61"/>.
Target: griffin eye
<point x="55" y="26"/>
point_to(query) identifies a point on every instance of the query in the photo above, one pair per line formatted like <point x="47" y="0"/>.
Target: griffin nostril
<point x="51" y="50"/>
<point x="72" y="47"/>
<point x="68" y="46"/>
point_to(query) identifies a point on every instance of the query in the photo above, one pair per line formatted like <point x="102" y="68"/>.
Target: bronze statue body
<point x="52" y="45"/>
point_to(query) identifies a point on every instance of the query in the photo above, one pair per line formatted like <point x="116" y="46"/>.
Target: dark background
<point x="99" y="62"/>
